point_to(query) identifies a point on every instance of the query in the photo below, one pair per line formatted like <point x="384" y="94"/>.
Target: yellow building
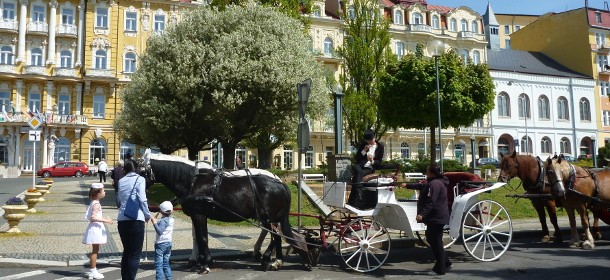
<point x="65" y="61"/>
<point x="510" y="23"/>
<point x="578" y="40"/>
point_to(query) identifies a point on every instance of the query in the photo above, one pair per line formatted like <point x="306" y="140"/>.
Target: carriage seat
<point x="465" y="187"/>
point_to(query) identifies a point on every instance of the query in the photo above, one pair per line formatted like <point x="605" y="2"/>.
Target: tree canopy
<point x="224" y="75"/>
<point x="409" y="98"/>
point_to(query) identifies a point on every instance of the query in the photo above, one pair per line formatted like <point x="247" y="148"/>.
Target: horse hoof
<point x="574" y="245"/>
<point x="587" y="245"/>
<point x="597" y="236"/>
<point x="276" y="265"/>
<point x="545" y="239"/>
<point x="205" y="270"/>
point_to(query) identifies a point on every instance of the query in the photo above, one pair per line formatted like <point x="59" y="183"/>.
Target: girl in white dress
<point x="95" y="234"/>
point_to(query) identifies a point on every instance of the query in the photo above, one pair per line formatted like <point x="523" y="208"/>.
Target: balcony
<point x="9" y="25"/>
<point x="467" y="35"/>
<point x="468" y="130"/>
<point x="53" y="119"/>
<point x="35" y="70"/>
<point x="100" y="73"/>
<point x="68" y="30"/>
<point x="65" y="72"/>
<point x="603" y="70"/>
<point x="7" y="68"/>
<point x="419" y="28"/>
<point x="38" y="27"/>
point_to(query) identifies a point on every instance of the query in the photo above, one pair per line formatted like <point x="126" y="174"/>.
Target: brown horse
<point x="531" y="172"/>
<point x="584" y="189"/>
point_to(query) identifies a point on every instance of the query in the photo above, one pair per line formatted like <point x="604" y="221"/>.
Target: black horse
<point x="224" y="196"/>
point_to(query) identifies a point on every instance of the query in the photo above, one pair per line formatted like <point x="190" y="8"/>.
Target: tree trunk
<point x="192" y="153"/>
<point x="264" y="158"/>
<point x="228" y="156"/>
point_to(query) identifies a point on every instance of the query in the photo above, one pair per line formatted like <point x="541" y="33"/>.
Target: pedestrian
<point x="163" y="245"/>
<point x="95" y="234"/>
<point x="238" y="163"/>
<point x="131" y="231"/>
<point x="102" y="168"/>
<point x="432" y="210"/>
<point x="117" y="174"/>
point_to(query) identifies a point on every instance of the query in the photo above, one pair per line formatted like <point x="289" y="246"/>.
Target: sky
<point x="530" y="7"/>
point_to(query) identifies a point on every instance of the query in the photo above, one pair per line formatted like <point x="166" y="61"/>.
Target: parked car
<point x="569" y="158"/>
<point x="486" y="161"/>
<point x="62" y="169"/>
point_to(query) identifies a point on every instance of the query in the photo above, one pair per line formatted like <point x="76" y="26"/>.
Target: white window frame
<point x="5" y="101"/>
<point x="36" y="58"/>
<point x="463" y="25"/>
<point x="328" y="46"/>
<point x="159" y="24"/>
<point x="564" y="146"/>
<point x="102" y="16"/>
<point x="130" y="65"/>
<point x="34" y="101"/>
<point x="562" y="109"/>
<point x="546" y="146"/>
<point x="585" y="109"/>
<point x="465" y="55"/>
<point x="524" y="98"/>
<point x="67" y="16"/>
<point x="453" y="25"/>
<point x="63" y="103"/>
<point x="95" y="144"/>
<point x="604" y="88"/>
<point x="503" y="105"/>
<point x="405" y="150"/>
<point x="474" y="26"/>
<point x="544" y="108"/>
<point x="398" y="17"/>
<point x="62" y="150"/>
<point x="65" y="61"/>
<point x="131" y="21"/>
<point x="99" y="105"/>
<point x="606" y="118"/>
<point x="38" y="13"/>
<point x="400" y="49"/>
<point x="101" y="61"/>
<point x="417" y="18"/>
<point x="436" y="22"/>
<point x="309" y="158"/>
<point x="6" y="55"/>
<point x="9" y="13"/>
<point x="288" y="162"/>
<point x="476" y="57"/>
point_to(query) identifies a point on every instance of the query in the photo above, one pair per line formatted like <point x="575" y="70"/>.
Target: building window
<point x="602" y="63"/>
<point x="131" y="22"/>
<point x="494" y="31"/>
<point x="6" y="55"/>
<point x="101" y="17"/>
<point x="435" y="22"/>
<point x="34" y="102"/>
<point x="398" y="17"/>
<point x="421" y="149"/>
<point x="65" y="59"/>
<point x="585" y="110"/>
<point x="562" y="109"/>
<point x="351" y="12"/>
<point x="309" y="156"/>
<point x="503" y="105"/>
<point x="159" y="24"/>
<point x="517" y="27"/>
<point x="67" y="16"/>
<point x="564" y="146"/>
<point x="453" y="25"/>
<point x="598" y="17"/>
<point x="127" y="150"/>
<point x="525" y="145"/>
<point x="417" y="18"/>
<point x="130" y="62"/>
<point x="476" y="57"/>
<point x="8" y="11"/>
<point x="97" y="151"/>
<point x="36" y="57"/>
<point x="507" y="43"/>
<point x="544" y="110"/>
<point x="606" y="118"/>
<point x="64" y="103"/>
<point x="604" y="88"/>
<point x="328" y="47"/>
<point x="405" y="150"/>
<point x="100" y="59"/>
<point x="524" y="106"/>
<point x="474" y="27"/>
<point x="600" y="39"/>
<point x="3" y="149"/>
<point x="62" y="150"/>
<point x="317" y="11"/>
<point x="5" y="101"/>
<point x="546" y="146"/>
<point x="463" y="25"/>
<point x="288" y="157"/>
<point x="99" y="105"/>
<point x="38" y="13"/>
<point x="465" y="55"/>
<point x="506" y="30"/>
<point x="400" y="49"/>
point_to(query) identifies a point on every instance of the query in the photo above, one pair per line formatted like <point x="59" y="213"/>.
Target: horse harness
<point x="539" y="187"/>
<point x="572" y="182"/>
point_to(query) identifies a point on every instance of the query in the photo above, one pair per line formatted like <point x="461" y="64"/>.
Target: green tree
<point x="235" y="73"/>
<point x="409" y="98"/>
<point x="365" y="53"/>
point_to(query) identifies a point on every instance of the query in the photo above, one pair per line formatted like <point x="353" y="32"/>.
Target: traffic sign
<point x="34" y="135"/>
<point x="34" y="122"/>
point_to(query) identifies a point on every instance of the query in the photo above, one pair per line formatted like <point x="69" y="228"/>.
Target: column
<point x="49" y="105"/>
<point x="81" y="33"/>
<point x="52" y="26"/>
<point x="23" y="14"/>
<point x="79" y="98"/>
<point x="44" y="156"/>
<point x="19" y="87"/>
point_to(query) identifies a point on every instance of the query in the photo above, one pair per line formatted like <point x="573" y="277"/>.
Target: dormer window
<point x="398" y="17"/>
<point x="417" y="18"/>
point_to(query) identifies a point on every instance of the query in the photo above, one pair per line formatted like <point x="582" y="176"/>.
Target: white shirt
<point x="371" y="152"/>
<point x="102" y="166"/>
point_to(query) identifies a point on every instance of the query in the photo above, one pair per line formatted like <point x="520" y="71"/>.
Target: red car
<point x="68" y="168"/>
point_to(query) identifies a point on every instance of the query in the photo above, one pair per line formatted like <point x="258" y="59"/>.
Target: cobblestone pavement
<point x="53" y="235"/>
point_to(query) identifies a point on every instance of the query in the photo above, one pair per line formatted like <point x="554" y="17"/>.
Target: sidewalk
<point x="53" y="236"/>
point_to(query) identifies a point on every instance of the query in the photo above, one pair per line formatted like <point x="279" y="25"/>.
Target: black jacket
<point x="362" y="159"/>
<point x="432" y="202"/>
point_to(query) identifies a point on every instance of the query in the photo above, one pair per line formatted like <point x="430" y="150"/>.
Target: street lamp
<point x="338" y="92"/>
<point x="474" y="164"/>
<point x="594" y="151"/>
<point x="436" y="48"/>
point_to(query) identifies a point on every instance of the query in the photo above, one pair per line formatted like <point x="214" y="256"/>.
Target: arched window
<point x="503" y="105"/>
<point x="436" y="22"/>
<point x="476" y="57"/>
<point x="309" y="158"/>
<point x="421" y="149"/>
<point x="400" y="49"/>
<point x="97" y="151"/>
<point x="546" y="146"/>
<point x="474" y="27"/>
<point x="63" y="103"/>
<point x="463" y="25"/>
<point x="100" y="59"/>
<point x="351" y="12"/>
<point x="6" y="55"/>
<point x="453" y="25"/>
<point x="288" y="159"/>
<point x="36" y="57"/>
<point x="405" y="150"/>
<point x="417" y="19"/>
<point x="65" y="59"/>
<point x="465" y="55"/>
<point x="130" y="62"/>
<point x="585" y="110"/>
<point x="562" y="109"/>
<point x="127" y="150"/>
<point x="526" y="146"/>
<point x="564" y="146"/>
<point x="317" y="12"/>
<point x="328" y="47"/>
<point x="544" y="110"/>
<point x="62" y="150"/>
<point x="398" y="17"/>
<point x="524" y="106"/>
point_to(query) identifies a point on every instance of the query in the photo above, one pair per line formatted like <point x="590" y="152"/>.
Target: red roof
<point x="440" y="9"/>
<point x="387" y="3"/>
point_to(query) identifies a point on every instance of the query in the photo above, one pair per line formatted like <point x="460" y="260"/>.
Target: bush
<point x="488" y="166"/>
<point x="15" y="201"/>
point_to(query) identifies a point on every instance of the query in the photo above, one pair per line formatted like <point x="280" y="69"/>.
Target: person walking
<point x="117" y="174"/>
<point x="102" y="168"/>
<point x="432" y="210"/>
<point x="163" y="245"/>
<point x="131" y="230"/>
<point x="95" y="234"/>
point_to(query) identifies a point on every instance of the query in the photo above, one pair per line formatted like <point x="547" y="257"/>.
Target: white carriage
<point x="363" y="237"/>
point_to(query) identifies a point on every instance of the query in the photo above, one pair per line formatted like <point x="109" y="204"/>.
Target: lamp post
<point x="436" y="48"/>
<point x="474" y="164"/>
<point x="303" y="136"/>
<point x="338" y="92"/>
<point x="594" y="151"/>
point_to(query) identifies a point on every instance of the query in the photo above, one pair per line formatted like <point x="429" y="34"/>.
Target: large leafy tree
<point x="409" y="98"/>
<point x="365" y="52"/>
<point x="225" y="75"/>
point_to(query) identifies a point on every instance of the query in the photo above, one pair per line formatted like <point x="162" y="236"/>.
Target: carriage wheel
<point x="486" y="230"/>
<point x="364" y="245"/>
<point x="448" y="241"/>
<point x="334" y="234"/>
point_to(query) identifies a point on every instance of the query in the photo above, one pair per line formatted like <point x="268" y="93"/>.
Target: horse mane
<point x="173" y="170"/>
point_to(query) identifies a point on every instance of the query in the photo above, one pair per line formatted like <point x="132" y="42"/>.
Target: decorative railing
<point x="467" y="130"/>
<point x="9" y="25"/>
<point x="419" y="28"/>
<point x="66" y="29"/>
<point x="105" y="73"/>
<point x="7" y="68"/>
<point x="467" y="34"/>
<point x="48" y="118"/>
<point x="38" y="26"/>
<point x="35" y="70"/>
<point x="65" y="72"/>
